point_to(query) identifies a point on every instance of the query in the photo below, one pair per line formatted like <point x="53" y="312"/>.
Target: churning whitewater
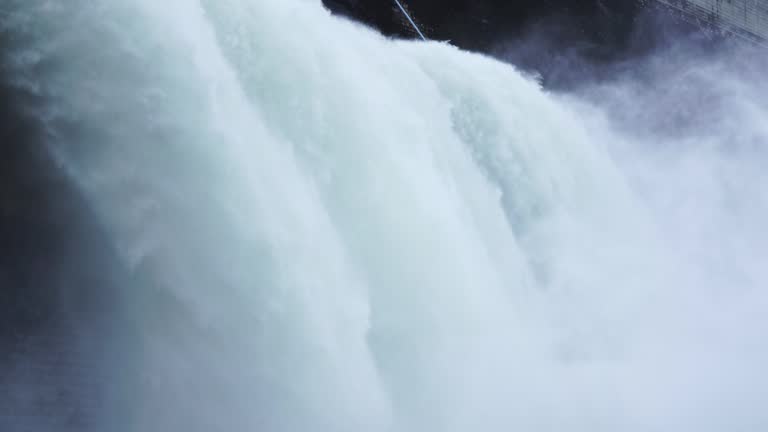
<point x="348" y="233"/>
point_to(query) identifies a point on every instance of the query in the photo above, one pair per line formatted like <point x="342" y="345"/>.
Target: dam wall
<point x="745" y="18"/>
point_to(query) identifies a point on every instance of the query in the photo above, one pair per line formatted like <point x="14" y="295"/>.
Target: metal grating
<point x="745" y="18"/>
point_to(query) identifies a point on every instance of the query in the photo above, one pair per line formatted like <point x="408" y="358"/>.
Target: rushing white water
<point x="357" y="234"/>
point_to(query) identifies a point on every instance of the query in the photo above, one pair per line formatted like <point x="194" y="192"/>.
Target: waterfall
<point x="328" y="230"/>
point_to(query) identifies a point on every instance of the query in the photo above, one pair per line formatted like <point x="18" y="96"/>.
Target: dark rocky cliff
<point x="478" y="25"/>
<point x="565" y="41"/>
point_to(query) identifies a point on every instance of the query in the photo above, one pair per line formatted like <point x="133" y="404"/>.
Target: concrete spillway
<point x="746" y="18"/>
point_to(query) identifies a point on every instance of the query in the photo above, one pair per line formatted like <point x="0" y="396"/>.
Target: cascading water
<point x="332" y="231"/>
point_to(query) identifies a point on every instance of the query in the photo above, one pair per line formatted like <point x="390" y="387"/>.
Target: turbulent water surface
<point x="327" y="230"/>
